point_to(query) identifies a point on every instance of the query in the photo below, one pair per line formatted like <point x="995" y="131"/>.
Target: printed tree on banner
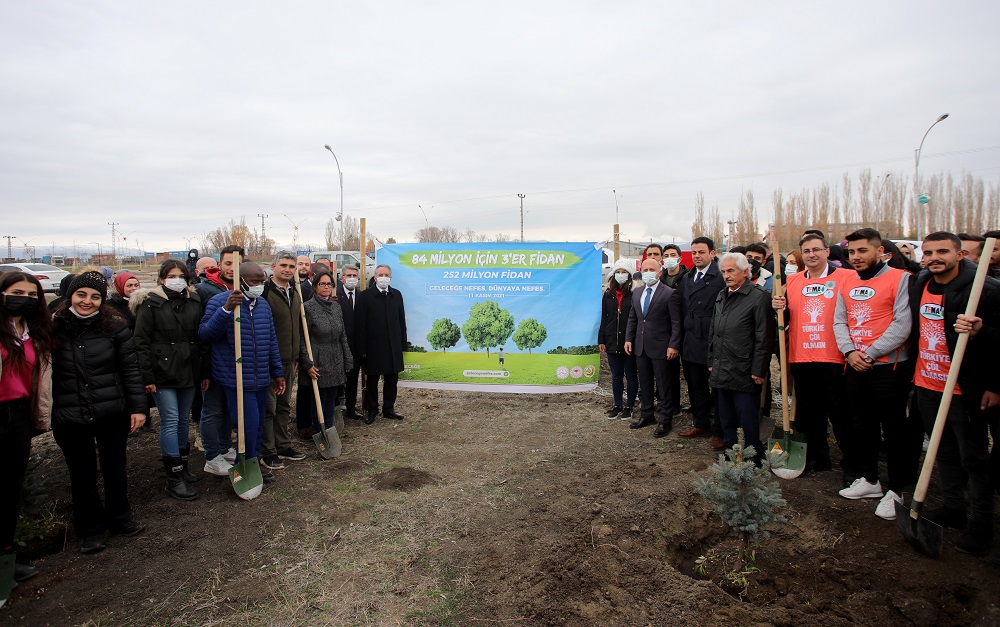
<point x="530" y="334"/>
<point x="487" y="326"/>
<point x="813" y="308"/>
<point x="861" y="313"/>
<point x="444" y="334"/>
<point x="933" y="333"/>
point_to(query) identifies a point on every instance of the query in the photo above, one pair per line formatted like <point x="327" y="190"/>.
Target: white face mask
<point x="254" y="292"/>
<point x="177" y="284"/>
<point x="649" y="277"/>
<point x="671" y="263"/>
<point x="351" y="282"/>
<point x="621" y="277"/>
<point x="791" y="268"/>
<point x="382" y="282"/>
<point x="73" y="311"/>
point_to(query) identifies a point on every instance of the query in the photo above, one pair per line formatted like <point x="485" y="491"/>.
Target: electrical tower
<point x="263" y="235"/>
<point x="10" y="252"/>
<point x="114" y="236"/>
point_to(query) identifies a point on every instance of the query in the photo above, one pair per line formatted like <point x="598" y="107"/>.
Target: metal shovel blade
<point x="328" y="443"/>
<point x="923" y="535"/>
<point x="794" y="446"/>
<point x="246" y="478"/>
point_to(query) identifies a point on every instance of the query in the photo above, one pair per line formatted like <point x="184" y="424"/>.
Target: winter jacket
<point x="260" y="357"/>
<point x="380" y="330"/>
<point x="95" y="370"/>
<point x="41" y="394"/>
<point x="210" y="285"/>
<point x="676" y="281"/>
<point x="287" y="314"/>
<point x="331" y="351"/>
<point x="614" y="321"/>
<point x="698" y="307"/>
<point x="740" y="338"/>
<point x="171" y="354"/>
<point x="119" y="306"/>
<point x="976" y="374"/>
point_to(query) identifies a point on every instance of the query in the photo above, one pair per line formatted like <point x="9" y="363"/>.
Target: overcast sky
<point x="170" y="118"/>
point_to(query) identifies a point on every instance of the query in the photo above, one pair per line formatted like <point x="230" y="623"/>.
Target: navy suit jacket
<point x="698" y="304"/>
<point x="659" y="328"/>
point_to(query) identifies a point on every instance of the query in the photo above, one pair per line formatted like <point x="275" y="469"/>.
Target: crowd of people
<point x="870" y="333"/>
<point x="91" y="364"/>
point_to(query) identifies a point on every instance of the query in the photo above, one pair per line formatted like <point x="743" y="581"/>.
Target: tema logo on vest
<point x="932" y="311"/>
<point x="813" y="289"/>
<point x="861" y="293"/>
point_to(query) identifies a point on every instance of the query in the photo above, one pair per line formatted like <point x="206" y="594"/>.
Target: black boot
<point x="184" y="463"/>
<point x="177" y="487"/>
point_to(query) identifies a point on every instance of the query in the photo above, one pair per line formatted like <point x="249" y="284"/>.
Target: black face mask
<point x="20" y="305"/>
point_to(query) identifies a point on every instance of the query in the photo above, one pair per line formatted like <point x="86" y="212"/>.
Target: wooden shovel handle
<point x="949" y="387"/>
<point x="309" y="352"/>
<point x="241" y="445"/>
<point x="778" y="290"/>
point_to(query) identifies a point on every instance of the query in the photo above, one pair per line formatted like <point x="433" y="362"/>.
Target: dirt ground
<point x="489" y="509"/>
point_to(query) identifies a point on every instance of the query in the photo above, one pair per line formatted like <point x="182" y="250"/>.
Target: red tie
<point x="350" y="299"/>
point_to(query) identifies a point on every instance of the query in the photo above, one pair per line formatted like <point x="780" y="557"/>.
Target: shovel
<point x="327" y="441"/>
<point x="7" y="583"/>
<point x="785" y="439"/>
<point x="924" y="535"/>
<point x="245" y="473"/>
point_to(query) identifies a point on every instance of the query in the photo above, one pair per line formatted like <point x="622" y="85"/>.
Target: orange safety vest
<point x="870" y="306"/>
<point x="811" y="303"/>
<point x="933" y="358"/>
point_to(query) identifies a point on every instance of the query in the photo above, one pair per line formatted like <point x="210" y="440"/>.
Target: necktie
<point x="645" y="302"/>
<point x="697" y="277"/>
<point x="350" y="299"/>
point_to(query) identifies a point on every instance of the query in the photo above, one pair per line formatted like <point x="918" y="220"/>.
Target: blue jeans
<point x="254" y="411"/>
<point x="623" y="365"/>
<point x="216" y="429"/>
<point x="175" y="418"/>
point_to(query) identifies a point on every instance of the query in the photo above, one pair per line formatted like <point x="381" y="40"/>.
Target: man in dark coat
<point x="654" y="336"/>
<point x="698" y="290"/>
<point x="380" y="335"/>
<point x="739" y="351"/>
<point x="347" y="296"/>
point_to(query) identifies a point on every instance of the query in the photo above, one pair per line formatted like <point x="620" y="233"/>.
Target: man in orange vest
<point x="872" y="324"/>
<point x="938" y="298"/>
<point x="816" y="364"/>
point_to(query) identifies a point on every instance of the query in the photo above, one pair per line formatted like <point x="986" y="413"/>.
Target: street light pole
<point x="427" y="224"/>
<point x="916" y="178"/>
<point x="617" y="228"/>
<point x="340" y="216"/>
<point x="521" y="196"/>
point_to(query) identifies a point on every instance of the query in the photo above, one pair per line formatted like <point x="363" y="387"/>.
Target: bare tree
<point x="344" y="235"/>
<point x="716" y="229"/>
<point x="747" y="231"/>
<point x="700" y="226"/>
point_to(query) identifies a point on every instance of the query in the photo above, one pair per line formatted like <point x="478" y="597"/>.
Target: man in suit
<point x="700" y="286"/>
<point x="347" y="296"/>
<point x="380" y="335"/>
<point x="653" y="335"/>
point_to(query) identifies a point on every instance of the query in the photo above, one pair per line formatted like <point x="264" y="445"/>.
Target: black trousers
<point x="305" y="403"/>
<point x="821" y="394"/>
<point x="963" y="458"/>
<point x="389" y="382"/>
<point x="878" y="408"/>
<point x="654" y="371"/>
<point x="15" y="447"/>
<point x="351" y="387"/>
<point x="82" y="446"/>
<point x="702" y="403"/>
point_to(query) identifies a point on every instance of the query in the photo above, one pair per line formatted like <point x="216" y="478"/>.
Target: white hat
<point x="624" y="264"/>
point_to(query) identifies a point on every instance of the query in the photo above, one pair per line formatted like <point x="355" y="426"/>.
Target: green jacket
<point x="287" y="319"/>
<point x="166" y="338"/>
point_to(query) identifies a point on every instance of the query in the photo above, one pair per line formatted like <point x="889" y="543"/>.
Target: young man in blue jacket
<point x="261" y="358"/>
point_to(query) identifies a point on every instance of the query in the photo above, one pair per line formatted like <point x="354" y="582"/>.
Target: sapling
<point x="746" y="496"/>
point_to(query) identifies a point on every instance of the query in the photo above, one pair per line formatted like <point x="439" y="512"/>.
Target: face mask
<point x="382" y="282"/>
<point x="254" y="292"/>
<point x="671" y="263"/>
<point x="621" y="277"/>
<point x="176" y="284"/>
<point x="351" y="283"/>
<point x="76" y="313"/>
<point x="20" y="305"/>
<point x="791" y="268"/>
<point x="649" y="278"/>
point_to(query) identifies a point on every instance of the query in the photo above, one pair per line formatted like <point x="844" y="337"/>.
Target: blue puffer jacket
<point x="261" y="358"/>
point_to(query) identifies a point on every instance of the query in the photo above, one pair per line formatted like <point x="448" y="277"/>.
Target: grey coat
<point x="331" y="352"/>
<point x="740" y="338"/>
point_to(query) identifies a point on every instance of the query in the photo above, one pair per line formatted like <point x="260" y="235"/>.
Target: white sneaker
<point x="861" y="489"/>
<point x="218" y="466"/>
<point x="230" y="455"/>
<point x="886" y="509"/>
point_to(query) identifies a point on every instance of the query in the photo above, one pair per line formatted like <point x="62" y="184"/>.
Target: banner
<point x="510" y="317"/>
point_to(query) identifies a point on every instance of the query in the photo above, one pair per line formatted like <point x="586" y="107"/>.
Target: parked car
<point x="48" y="276"/>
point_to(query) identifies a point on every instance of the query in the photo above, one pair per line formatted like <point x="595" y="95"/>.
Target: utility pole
<point x="10" y="252"/>
<point x="521" y="196"/>
<point x="617" y="248"/>
<point x="113" y="226"/>
<point x="263" y="236"/>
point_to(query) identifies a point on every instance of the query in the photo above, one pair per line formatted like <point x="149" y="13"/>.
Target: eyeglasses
<point x="809" y="251"/>
<point x="327" y="284"/>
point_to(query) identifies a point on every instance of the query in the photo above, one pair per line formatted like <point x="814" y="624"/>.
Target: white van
<point x="341" y="258"/>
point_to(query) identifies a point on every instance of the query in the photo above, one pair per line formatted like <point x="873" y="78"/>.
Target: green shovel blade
<point x="794" y="447"/>
<point x="246" y="478"/>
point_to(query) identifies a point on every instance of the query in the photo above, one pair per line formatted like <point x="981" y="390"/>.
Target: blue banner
<point x="510" y="317"/>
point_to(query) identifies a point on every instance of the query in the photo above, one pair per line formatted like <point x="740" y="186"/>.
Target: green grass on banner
<point x="523" y="369"/>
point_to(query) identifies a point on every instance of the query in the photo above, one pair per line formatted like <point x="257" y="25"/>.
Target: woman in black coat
<point x="172" y="361"/>
<point x="332" y="357"/>
<point x="616" y="304"/>
<point x="97" y="399"/>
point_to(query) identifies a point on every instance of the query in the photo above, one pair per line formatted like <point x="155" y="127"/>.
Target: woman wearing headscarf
<point x="125" y="284"/>
<point x="332" y="357"/>
<point x="172" y="362"/>
<point x="25" y="401"/>
<point x="97" y="399"/>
